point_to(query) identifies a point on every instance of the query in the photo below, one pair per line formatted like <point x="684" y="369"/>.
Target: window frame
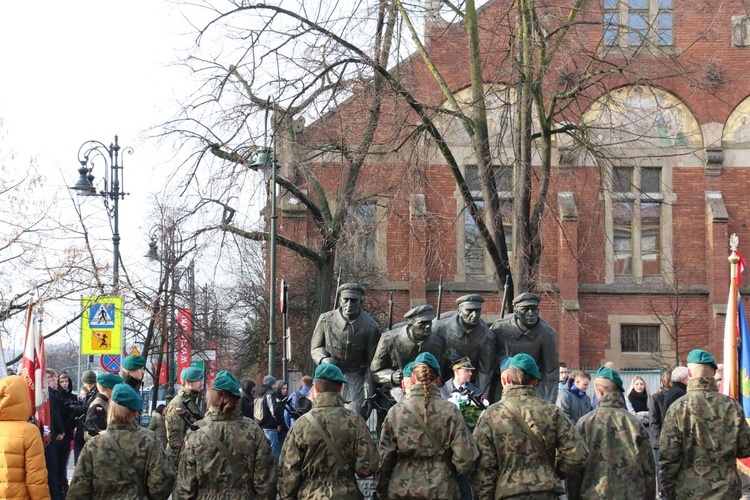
<point x="618" y="29"/>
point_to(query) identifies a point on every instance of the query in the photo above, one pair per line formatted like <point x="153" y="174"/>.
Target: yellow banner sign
<point x="101" y="325"/>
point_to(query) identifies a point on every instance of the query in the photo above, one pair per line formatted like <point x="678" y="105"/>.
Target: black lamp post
<point x="111" y="192"/>
<point x="265" y="159"/>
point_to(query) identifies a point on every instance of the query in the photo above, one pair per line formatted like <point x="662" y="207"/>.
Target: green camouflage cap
<point x="408" y="369"/>
<point x="701" y="357"/>
<point x="428" y="359"/>
<point x="610" y="374"/>
<point x="133" y="362"/>
<point x="225" y="381"/>
<point x="328" y="371"/>
<point x="108" y="380"/>
<point x="526" y="364"/>
<point x="191" y="374"/>
<point x="88" y="377"/>
<point x="126" y="396"/>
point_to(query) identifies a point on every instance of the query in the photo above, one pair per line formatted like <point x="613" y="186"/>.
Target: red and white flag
<point x="34" y="367"/>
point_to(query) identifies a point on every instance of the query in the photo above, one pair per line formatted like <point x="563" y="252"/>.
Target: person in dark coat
<point x="248" y="398"/>
<point x="68" y="403"/>
<point x="57" y="434"/>
<point x="678" y="389"/>
<point x="85" y="397"/>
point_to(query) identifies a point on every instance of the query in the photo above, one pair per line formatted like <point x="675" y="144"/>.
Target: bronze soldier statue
<point x="525" y="332"/>
<point x="347" y="337"/>
<point x="401" y="345"/>
<point x="466" y="335"/>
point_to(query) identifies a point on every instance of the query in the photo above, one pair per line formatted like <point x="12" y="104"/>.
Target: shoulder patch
<point x="99" y="408"/>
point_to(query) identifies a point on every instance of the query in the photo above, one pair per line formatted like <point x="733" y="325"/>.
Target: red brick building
<point x="636" y="236"/>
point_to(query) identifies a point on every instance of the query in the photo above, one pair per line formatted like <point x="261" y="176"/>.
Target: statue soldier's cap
<point x="350" y="291"/>
<point x="471" y="301"/>
<point x="408" y="369"/>
<point x="526" y="299"/>
<point x="191" y="374"/>
<point x="133" y="362"/>
<point x="505" y="363"/>
<point x="225" y="381"/>
<point x="329" y="371"/>
<point x="610" y="374"/>
<point x="427" y="358"/>
<point x="464" y="362"/>
<point x="526" y="364"/>
<point x="109" y="380"/>
<point x="420" y="313"/>
<point x="701" y="357"/>
<point x="126" y="396"/>
<point x="88" y="377"/>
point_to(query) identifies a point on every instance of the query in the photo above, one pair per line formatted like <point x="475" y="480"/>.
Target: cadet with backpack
<point x="263" y="411"/>
<point x="299" y="403"/>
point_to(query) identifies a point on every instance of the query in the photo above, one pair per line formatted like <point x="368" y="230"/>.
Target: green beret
<point x="408" y="369"/>
<point x="329" y="371"/>
<point x="526" y="364"/>
<point x="108" y="380"/>
<point x="133" y="362"/>
<point x="610" y="374"/>
<point x="191" y="374"/>
<point x="428" y="359"/>
<point x="701" y="357"/>
<point x="350" y="291"/>
<point x="420" y="313"/>
<point x="126" y="396"/>
<point x="225" y="381"/>
<point x="526" y="299"/>
<point x="88" y="377"/>
<point x="471" y="301"/>
<point x="505" y="363"/>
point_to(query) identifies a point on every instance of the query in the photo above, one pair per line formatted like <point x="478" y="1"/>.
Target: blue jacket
<point x="293" y="400"/>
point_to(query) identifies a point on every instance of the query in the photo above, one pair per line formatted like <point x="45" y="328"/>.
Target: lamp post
<point x="264" y="159"/>
<point x="112" y="191"/>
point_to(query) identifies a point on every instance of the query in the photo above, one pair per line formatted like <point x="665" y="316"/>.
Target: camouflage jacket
<point x="100" y="474"/>
<point x="158" y="425"/>
<point x="308" y="467"/>
<point x="96" y="415"/>
<point x="174" y="423"/>
<point x="206" y="472"/>
<point x="509" y="462"/>
<point x="410" y="464"/>
<point x="620" y="456"/>
<point x="702" y="434"/>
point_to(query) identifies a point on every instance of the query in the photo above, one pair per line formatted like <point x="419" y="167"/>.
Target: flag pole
<point x="731" y="365"/>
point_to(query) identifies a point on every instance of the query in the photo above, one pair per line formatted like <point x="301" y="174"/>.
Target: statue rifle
<point x="390" y="310"/>
<point x="338" y="284"/>
<point x="506" y="287"/>
<point x="440" y="297"/>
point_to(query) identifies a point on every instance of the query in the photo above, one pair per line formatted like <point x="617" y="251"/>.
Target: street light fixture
<point x="112" y="191"/>
<point x="263" y="160"/>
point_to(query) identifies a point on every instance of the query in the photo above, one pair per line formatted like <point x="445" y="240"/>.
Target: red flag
<point x="34" y="367"/>
<point x="184" y="337"/>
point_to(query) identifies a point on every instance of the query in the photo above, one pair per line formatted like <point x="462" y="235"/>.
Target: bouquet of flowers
<point x="468" y="408"/>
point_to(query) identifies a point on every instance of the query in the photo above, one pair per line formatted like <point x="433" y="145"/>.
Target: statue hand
<point x="396" y="378"/>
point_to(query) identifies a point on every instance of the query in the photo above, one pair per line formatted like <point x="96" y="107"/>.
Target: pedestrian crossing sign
<point x="101" y="325"/>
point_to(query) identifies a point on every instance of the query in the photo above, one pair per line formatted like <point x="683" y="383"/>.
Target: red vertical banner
<point x="184" y="337"/>
<point x="33" y="369"/>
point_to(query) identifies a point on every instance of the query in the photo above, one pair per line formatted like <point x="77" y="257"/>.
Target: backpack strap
<point x="536" y="439"/>
<point x="430" y="436"/>
<point x="237" y="467"/>
<point x="335" y="451"/>
<point x="124" y="462"/>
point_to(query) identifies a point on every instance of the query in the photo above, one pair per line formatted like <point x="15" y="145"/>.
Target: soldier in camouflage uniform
<point x="620" y="458"/>
<point x="103" y="472"/>
<point x="701" y="436"/>
<point x="518" y="438"/>
<point x="243" y="468"/>
<point x="96" y="415"/>
<point x="191" y="379"/>
<point x="313" y="469"/>
<point x="424" y="442"/>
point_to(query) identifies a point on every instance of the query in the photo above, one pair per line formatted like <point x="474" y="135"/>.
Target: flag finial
<point x="734" y="242"/>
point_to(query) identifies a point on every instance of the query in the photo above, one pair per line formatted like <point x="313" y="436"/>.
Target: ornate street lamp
<point x="112" y="190"/>
<point x="263" y="160"/>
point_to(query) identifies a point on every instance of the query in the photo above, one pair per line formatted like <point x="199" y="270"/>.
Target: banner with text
<point x="184" y="338"/>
